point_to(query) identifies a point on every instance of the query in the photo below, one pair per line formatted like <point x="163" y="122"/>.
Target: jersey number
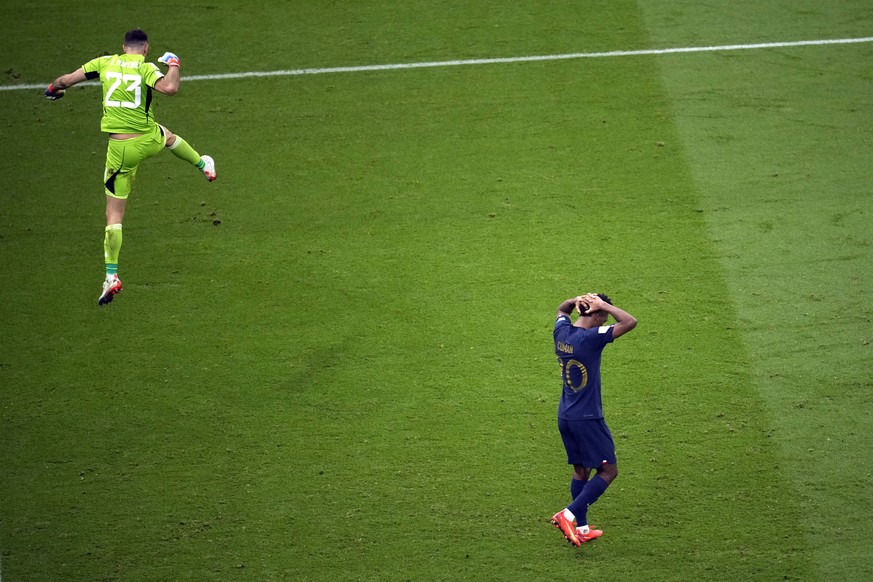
<point x="581" y="374"/>
<point x="134" y="85"/>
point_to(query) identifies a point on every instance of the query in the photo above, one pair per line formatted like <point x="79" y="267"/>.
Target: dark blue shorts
<point x="588" y="442"/>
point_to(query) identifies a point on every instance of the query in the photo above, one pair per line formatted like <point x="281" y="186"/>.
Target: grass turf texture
<point x="351" y="375"/>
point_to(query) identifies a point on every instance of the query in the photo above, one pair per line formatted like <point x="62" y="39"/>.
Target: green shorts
<point x="123" y="157"/>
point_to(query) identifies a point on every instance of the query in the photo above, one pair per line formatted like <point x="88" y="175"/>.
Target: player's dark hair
<point x="135" y="37"/>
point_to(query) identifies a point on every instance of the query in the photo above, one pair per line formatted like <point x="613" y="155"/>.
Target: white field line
<point x="363" y="68"/>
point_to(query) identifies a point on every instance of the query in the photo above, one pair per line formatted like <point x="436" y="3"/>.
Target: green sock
<point x="111" y="248"/>
<point x="183" y="151"/>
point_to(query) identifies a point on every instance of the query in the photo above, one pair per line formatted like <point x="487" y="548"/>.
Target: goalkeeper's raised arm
<point x="170" y="82"/>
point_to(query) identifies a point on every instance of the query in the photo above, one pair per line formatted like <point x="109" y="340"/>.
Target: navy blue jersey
<point x="579" y="352"/>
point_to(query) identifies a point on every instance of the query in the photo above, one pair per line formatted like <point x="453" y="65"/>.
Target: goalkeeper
<point x="134" y="135"/>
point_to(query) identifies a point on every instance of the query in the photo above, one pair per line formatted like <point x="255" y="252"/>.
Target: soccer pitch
<point x="335" y="362"/>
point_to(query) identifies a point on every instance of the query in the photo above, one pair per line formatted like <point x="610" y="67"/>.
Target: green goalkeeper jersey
<point x="127" y="92"/>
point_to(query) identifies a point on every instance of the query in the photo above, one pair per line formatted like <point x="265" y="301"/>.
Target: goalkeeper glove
<point x="169" y="59"/>
<point x="53" y="94"/>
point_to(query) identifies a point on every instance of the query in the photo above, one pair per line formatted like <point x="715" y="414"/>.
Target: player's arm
<point x="624" y="321"/>
<point x="169" y="83"/>
<point x="567" y="307"/>
<point x="56" y="89"/>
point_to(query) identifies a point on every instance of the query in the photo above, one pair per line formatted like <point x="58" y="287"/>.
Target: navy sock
<point x="576" y="487"/>
<point x="594" y="488"/>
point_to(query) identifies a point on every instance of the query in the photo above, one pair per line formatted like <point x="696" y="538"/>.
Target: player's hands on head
<point x="591" y="302"/>
<point x="169" y="59"/>
<point x="53" y="94"/>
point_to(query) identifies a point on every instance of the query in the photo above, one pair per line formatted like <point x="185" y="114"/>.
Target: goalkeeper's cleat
<point x="111" y="286"/>
<point x="566" y="526"/>
<point x="586" y="534"/>
<point x="208" y="168"/>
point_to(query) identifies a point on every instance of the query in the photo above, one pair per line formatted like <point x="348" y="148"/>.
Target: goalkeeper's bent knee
<point x="183" y="151"/>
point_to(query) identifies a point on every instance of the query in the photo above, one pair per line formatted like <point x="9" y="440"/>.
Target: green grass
<point x="351" y="375"/>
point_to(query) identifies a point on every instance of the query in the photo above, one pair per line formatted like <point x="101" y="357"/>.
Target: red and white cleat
<point x="111" y="286"/>
<point x="209" y="168"/>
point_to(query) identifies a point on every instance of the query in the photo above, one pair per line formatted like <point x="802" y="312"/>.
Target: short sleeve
<point x="93" y="67"/>
<point x="150" y="74"/>
<point x="604" y="334"/>
<point x="561" y="323"/>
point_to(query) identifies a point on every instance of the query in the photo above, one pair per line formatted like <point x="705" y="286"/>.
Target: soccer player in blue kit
<point x="579" y="346"/>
